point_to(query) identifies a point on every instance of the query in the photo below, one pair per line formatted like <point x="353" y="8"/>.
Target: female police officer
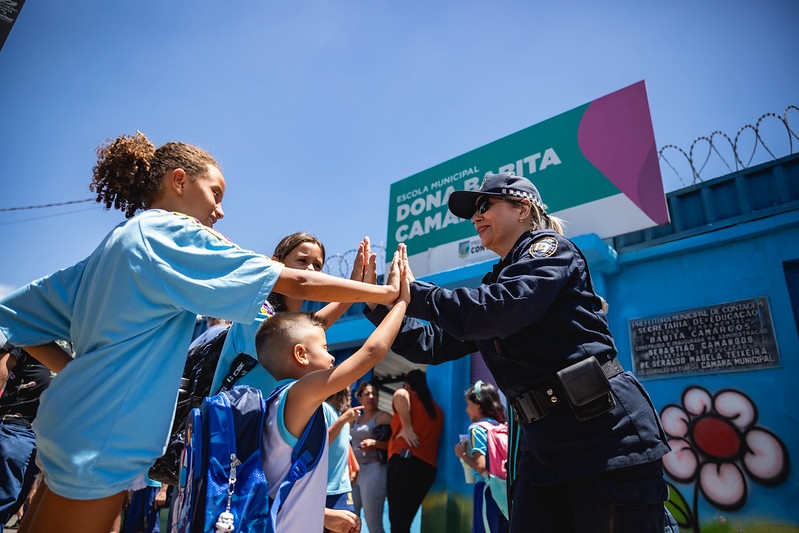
<point x="590" y="441"/>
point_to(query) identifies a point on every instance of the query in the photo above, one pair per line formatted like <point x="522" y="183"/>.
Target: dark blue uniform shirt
<point x="536" y="313"/>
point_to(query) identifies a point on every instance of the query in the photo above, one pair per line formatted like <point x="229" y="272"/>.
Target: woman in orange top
<point x="416" y="430"/>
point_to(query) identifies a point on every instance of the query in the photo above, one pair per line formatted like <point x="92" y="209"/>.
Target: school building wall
<point x="732" y="243"/>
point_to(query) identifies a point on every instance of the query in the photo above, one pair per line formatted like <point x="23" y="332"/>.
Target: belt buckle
<point x="526" y="408"/>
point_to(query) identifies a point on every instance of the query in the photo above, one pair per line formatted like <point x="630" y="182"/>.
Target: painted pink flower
<point x="715" y="443"/>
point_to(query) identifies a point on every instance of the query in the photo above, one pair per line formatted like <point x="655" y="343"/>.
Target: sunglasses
<point x="484" y="203"/>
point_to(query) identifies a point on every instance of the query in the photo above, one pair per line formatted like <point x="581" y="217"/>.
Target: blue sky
<point x="314" y="108"/>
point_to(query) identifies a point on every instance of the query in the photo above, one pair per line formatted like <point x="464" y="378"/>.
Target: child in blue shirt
<point x="129" y="310"/>
<point x="339" y="414"/>
<point x="483" y="407"/>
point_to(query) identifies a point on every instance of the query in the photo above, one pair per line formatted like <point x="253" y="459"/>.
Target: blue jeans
<point x="18" y="468"/>
<point x="369" y="493"/>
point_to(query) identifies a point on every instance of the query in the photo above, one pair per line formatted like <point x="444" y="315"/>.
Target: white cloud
<point x="5" y="289"/>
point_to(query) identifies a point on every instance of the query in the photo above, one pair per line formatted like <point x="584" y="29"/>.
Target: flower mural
<point x="717" y="445"/>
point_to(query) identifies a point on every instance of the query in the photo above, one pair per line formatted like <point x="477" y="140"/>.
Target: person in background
<point x="27" y="379"/>
<point x="483" y="406"/>
<point x="413" y="450"/>
<point x="303" y="251"/>
<point x="370" y="436"/>
<point x="129" y="309"/>
<point x="210" y="328"/>
<point x="590" y="439"/>
<point x="143" y="513"/>
<point x="28" y="500"/>
<point x="338" y="415"/>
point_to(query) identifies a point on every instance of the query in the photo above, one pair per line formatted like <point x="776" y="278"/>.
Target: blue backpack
<point x="222" y="482"/>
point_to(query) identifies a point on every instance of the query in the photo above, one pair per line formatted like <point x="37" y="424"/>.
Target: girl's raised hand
<point x="406" y="275"/>
<point x="394" y="274"/>
<point x="360" y="261"/>
<point x="370" y="262"/>
<point x="408" y="272"/>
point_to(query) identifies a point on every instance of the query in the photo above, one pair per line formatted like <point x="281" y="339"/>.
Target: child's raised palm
<point x="393" y="279"/>
<point x="406" y="276"/>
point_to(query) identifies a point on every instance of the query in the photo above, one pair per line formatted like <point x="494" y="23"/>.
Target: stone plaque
<point x="727" y="337"/>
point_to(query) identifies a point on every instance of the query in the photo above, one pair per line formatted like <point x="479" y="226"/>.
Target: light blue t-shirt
<point x="478" y="440"/>
<point x="129" y="310"/>
<point x="338" y="473"/>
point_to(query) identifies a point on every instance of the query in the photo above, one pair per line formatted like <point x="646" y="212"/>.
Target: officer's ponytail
<point x="540" y="219"/>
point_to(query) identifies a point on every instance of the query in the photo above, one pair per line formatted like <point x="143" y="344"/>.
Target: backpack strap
<point x="239" y="367"/>
<point x="212" y="350"/>
<point x="305" y="455"/>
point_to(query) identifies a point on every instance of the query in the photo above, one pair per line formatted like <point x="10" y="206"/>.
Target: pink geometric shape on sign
<point x="616" y="136"/>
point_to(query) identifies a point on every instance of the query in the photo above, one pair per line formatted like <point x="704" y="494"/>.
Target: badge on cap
<point x="543" y="247"/>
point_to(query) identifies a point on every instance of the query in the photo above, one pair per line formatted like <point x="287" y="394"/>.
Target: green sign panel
<point x="597" y="156"/>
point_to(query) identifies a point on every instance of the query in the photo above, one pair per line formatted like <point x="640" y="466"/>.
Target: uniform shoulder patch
<point x="543" y="247"/>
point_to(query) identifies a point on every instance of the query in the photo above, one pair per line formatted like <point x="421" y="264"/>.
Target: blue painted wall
<point x="714" y="263"/>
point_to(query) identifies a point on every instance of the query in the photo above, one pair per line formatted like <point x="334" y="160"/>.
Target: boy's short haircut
<point x="277" y="336"/>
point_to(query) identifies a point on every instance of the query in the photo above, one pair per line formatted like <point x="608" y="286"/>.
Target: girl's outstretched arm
<point x="320" y="287"/>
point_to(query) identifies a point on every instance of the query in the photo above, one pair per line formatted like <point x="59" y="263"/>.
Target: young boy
<point x="292" y="347"/>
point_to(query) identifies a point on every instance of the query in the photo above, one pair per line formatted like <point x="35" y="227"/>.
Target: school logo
<point x="463" y="249"/>
<point x="544" y="247"/>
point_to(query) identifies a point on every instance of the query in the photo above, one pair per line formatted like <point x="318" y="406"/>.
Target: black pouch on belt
<point x="587" y="389"/>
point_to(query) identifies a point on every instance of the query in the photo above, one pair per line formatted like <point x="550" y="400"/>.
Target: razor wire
<point x="738" y="156"/>
<point x="341" y="264"/>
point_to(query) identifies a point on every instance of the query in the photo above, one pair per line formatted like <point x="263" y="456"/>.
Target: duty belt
<point x="540" y="401"/>
<point x="16" y="420"/>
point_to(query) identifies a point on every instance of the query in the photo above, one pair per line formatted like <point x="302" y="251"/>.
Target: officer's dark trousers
<point x="628" y="500"/>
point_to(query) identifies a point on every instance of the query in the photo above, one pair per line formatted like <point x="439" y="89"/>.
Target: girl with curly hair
<point x="129" y="308"/>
